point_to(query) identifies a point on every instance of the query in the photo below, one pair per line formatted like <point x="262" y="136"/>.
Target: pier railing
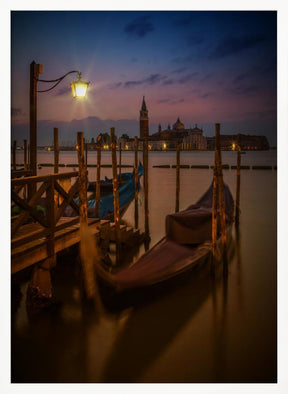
<point x="44" y="208"/>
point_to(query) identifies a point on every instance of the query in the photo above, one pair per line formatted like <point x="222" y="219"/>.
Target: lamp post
<point x="79" y="89"/>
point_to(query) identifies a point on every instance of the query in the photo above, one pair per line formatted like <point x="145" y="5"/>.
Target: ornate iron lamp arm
<point x="58" y="80"/>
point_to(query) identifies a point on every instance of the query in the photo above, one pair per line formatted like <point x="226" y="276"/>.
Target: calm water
<point x="200" y="331"/>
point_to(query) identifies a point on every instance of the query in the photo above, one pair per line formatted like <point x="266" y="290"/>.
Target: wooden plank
<point x="36" y="251"/>
<point x="28" y="208"/>
<point x="42" y="178"/>
<point x="68" y="199"/>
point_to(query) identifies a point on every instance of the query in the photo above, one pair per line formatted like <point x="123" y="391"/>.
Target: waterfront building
<point x="189" y="139"/>
<point x="248" y="142"/>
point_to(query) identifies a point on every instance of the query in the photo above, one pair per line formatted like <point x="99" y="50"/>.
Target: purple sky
<point x="205" y="67"/>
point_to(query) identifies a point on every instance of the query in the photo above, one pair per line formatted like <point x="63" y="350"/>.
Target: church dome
<point x="178" y="125"/>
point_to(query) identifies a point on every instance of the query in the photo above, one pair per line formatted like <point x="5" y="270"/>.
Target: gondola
<point x="106" y="207"/>
<point x="186" y="245"/>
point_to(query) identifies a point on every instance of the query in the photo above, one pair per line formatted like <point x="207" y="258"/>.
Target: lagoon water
<point x="201" y="331"/>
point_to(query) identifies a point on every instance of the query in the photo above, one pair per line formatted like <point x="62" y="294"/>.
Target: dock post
<point x="39" y="292"/>
<point x="177" y="177"/>
<point x="25" y="155"/>
<point x="115" y="194"/>
<point x="136" y="180"/>
<point x="87" y="259"/>
<point x="86" y="152"/>
<point x="221" y="196"/>
<point x="146" y="194"/>
<point x="25" y="167"/>
<point x="214" y="214"/>
<point x="14" y="155"/>
<point x="82" y="179"/>
<point x="120" y="161"/>
<point x="56" y="151"/>
<point x="98" y="173"/>
<point x="237" y="213"/>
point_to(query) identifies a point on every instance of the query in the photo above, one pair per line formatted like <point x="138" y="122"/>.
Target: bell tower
<point x="144" y="120"/>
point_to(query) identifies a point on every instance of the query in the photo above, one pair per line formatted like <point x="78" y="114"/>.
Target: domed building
<point x="178" y="125"/>
<point x="170" y="138"/>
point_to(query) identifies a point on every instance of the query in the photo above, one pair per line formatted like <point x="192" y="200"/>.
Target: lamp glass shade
<point x="79" y="88"/>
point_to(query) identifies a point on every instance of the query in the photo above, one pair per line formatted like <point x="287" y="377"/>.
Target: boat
<point x="186" y="245"/>
<point x="106" y="206"/>
<point x="106" y="185"/>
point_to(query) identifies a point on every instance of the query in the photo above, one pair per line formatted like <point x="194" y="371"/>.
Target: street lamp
<point x="79" y="89"/>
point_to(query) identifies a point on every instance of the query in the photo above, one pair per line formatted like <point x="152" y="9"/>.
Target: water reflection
<point x="153" y="324"/>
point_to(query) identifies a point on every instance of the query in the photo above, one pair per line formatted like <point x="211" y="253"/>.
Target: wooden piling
<point x="97" y="195"/>
<point x="86" y="154"/>
<point x="14" y="155"/>
<point x="87" y="259"/>
<point x="115" y="193"/>
<point x="145" y="176"/>
<point x="214" y="215"/>
<point x="25" y="168"/>
<point x="120" y="160"/>
<point x="136" y="180"/>
<point x="177" y="177"/>
<point x="25" y="155"/>
<point x="82" y="179"/>
<point x="56" y="151"/>
<point x="221" y="193"/>
<point x="237" y="213"/>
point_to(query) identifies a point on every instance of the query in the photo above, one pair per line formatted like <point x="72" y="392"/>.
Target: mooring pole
<point x="56" y="151"/>
<point x="237" y="213"/>
<point x="87" y="260"/>
<point x="115" y="194"/>
<point x="221" y="195"/>
<point x="177" y="178"/>
<point x="98" y="190"/>
<point x="82" y="179"/>
<point x="214" y="213"/>
<point x="136" y="179"/>
<point x="25" y="168"/>
<point x="120" y="162"/>
<point x="25" y="155"/>
<point x="86" y="153"/>
<point x="146" y="202"/>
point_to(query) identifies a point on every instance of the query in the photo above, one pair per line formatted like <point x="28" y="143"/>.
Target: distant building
<point x="189" y="139"/>
<point x="248" y="142"/>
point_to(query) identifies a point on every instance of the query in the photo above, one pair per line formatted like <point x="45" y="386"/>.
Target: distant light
<point x="233" y="146"/>
<point x="79" y="88"/>
<point x="164" y="146"/>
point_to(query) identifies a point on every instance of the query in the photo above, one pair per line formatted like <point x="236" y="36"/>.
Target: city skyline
<point x="205" y="67"/>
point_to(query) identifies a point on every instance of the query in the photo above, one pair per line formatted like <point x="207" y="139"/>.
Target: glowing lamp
<point x="79" y="88"/>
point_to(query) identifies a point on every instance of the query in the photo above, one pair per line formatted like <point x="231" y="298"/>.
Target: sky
<point x="205" y="67"/>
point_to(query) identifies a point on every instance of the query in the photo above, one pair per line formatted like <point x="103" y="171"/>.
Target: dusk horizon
<point x="204" y="67"/>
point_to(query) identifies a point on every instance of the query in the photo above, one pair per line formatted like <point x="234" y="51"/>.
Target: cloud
<point x="232" y="45"/>
<point x="128" y="84"/>
<point x="139" y="27"/>
<point x="188" y="77"/>
<point x="152" y="79"/>
<point x="163" y="101"/>
<point x="115" y="85"/>
<point x="180" y="70"/>
<point x="168" y="81"/>
<point x="244" y="89"/>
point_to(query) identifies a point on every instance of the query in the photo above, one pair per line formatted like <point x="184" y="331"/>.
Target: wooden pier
<point x="40" y="230"/>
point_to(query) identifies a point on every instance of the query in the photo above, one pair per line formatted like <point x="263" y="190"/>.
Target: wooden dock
<point x="38" y="235"/>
